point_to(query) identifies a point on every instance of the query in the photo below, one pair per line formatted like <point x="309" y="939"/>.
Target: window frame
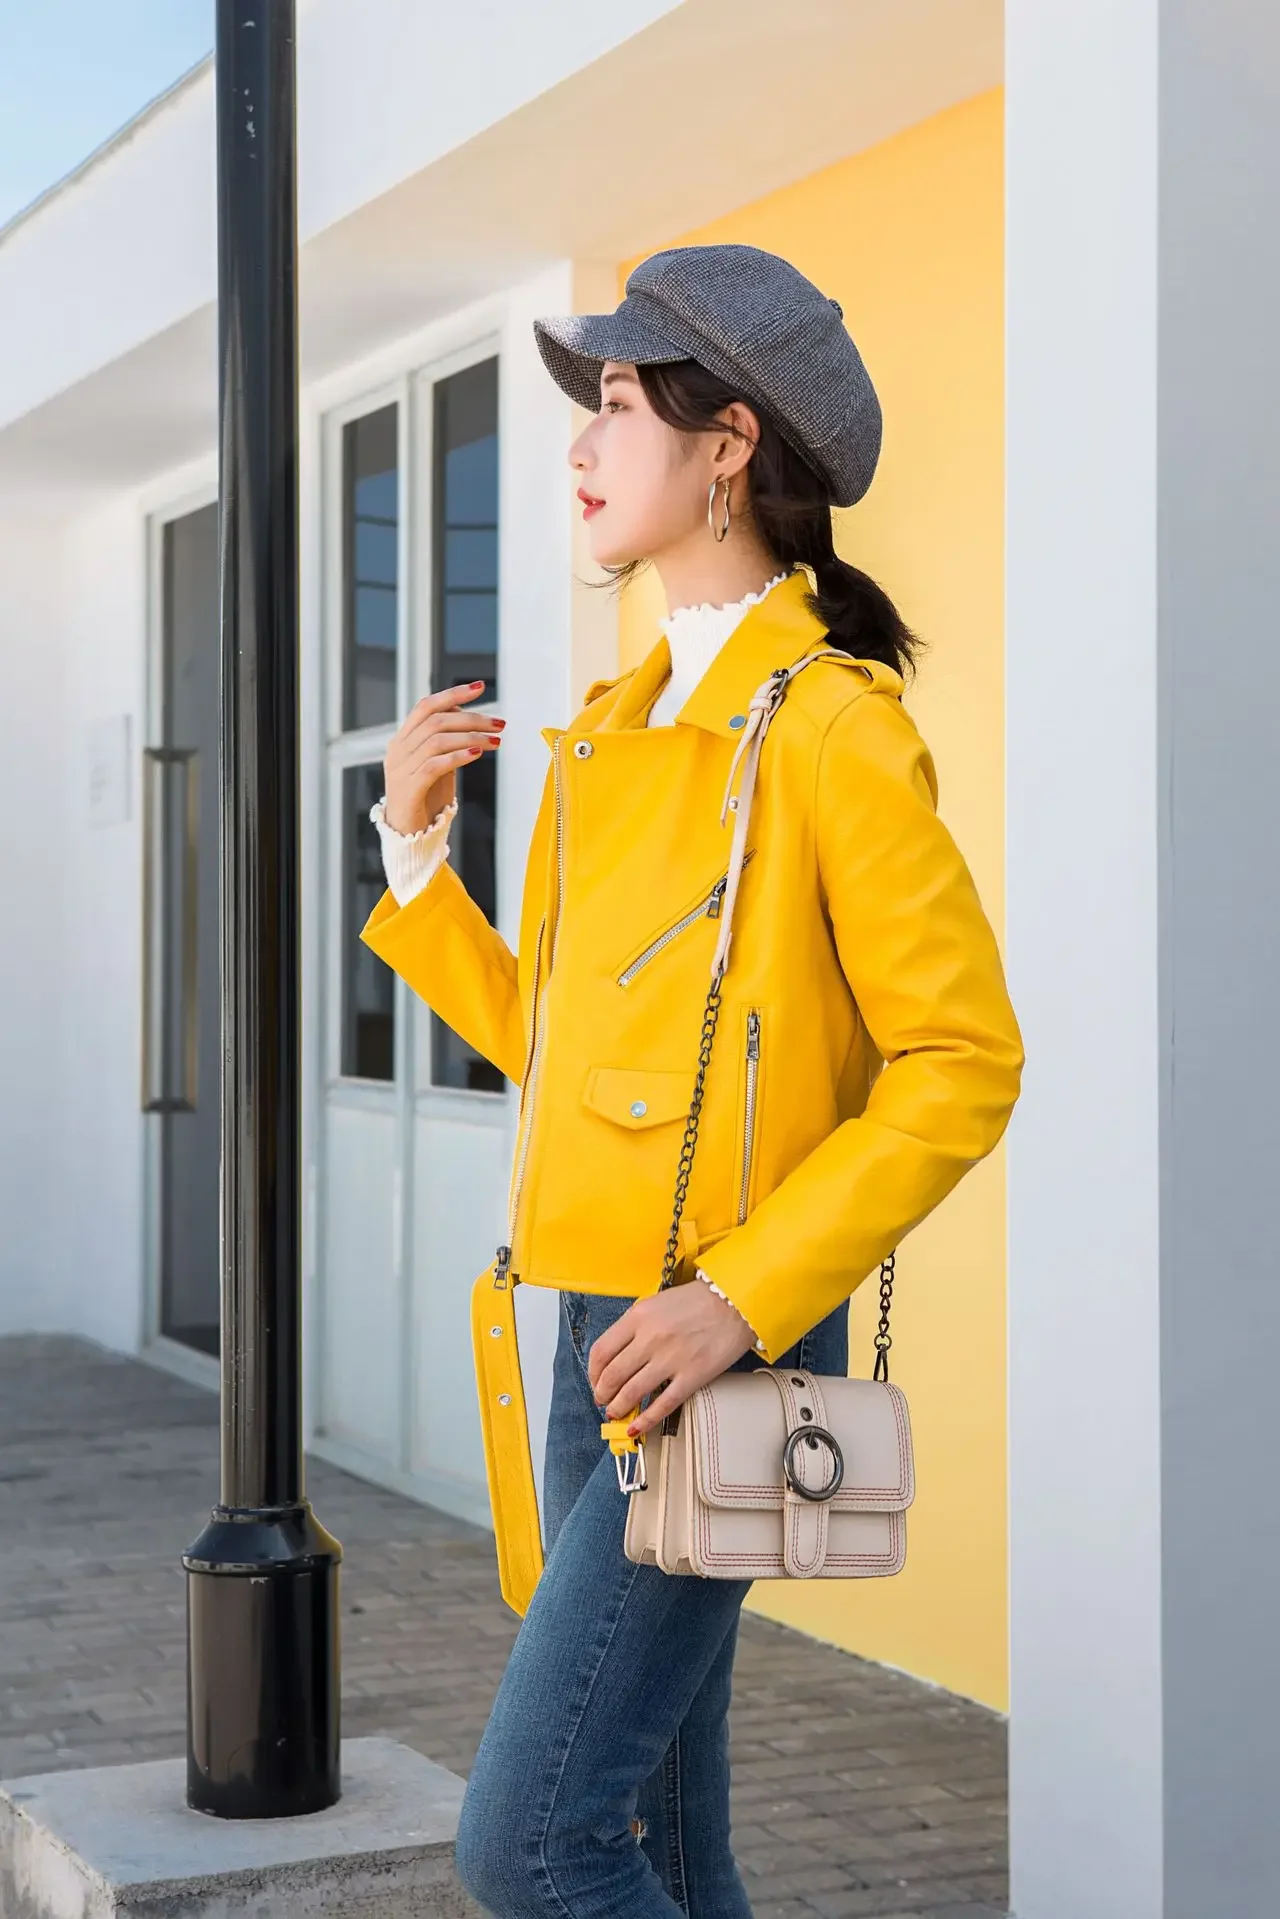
<point x="412" y="393"/>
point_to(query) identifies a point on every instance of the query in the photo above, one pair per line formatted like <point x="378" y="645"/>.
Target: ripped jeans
<point x="601" y="1786"/>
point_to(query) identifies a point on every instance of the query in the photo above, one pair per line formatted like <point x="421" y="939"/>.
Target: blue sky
<point x="73" y="71"/>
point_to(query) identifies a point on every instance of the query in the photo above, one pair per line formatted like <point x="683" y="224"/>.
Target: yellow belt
<point x="504" y="1423"/>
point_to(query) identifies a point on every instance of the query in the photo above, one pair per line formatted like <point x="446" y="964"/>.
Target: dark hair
<point x="791" y="506"/>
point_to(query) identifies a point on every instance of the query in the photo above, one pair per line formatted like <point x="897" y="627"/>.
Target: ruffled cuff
<point x="412" y="860"/>
<point x="716" y="1290"/>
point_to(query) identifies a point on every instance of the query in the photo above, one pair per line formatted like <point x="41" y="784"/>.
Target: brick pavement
<point x="857" y="1791"/>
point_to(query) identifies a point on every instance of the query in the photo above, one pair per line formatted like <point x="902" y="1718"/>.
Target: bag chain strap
<point x="710" y="1020"/>
<point x="882" y="1339"/>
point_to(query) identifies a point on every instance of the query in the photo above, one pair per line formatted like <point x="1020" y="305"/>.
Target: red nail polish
<point x="475" y="752"/>
<point x="633" y="1432"/>
<point x="477" y="682"/>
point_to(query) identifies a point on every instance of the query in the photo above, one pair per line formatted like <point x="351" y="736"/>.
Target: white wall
<point x="100" y="1128"/>
<point x="71" y="626"/>
<point x="37" y="1289"/>
<point x="1144" y="946"/>
<point x="1084" y="1388"/>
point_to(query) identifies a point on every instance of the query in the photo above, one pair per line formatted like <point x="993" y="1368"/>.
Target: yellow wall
<point x="908" y="237"/>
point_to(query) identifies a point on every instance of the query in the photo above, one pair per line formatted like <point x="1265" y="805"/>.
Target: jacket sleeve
<point x="923" y="965"/>
<point x="442" y="945"/>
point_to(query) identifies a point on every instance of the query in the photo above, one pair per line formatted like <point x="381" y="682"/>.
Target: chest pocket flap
<point x="638" y="1096"/>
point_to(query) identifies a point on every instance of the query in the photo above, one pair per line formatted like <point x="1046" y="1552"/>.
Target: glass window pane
<point x="190" y="1136"/>
<point x="453" y="1062"/>
<point x="465" y="534"/>
<point x="370" y="529"/>
<point x="470" y="560"/>
<point x="368" y="1003"/>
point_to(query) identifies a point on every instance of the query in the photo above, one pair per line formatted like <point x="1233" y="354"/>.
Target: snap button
<point x="738" y="720"/>
<point x="504" y="1399"/>
<point x="495" y="1332"/>
<point x="583" y="749"/>
<point x="638" y="1109"/>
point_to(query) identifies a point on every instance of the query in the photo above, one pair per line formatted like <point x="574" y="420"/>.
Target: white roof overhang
<point x="436" y="168"/>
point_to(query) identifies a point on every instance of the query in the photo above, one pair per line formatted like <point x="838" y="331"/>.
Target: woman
<point x="868" y="1054"/>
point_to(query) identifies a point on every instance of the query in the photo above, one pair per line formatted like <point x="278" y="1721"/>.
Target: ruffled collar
<point x="695" y="635"/>
<point x="685" y="619"/>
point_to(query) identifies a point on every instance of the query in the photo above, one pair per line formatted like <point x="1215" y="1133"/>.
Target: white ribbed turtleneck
<point x="695" y="635"/>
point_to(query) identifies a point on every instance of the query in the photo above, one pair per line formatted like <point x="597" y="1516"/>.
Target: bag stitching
<point x="727" y="1497"/>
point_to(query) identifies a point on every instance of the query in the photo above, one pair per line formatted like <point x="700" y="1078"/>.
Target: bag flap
<point x="637" y="1096"/>
<point x="738" y="1429"/>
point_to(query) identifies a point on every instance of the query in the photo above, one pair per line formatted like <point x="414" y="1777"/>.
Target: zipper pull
<point x="501" y="1277"/>
<point x="753" y="1035"/>
<point x="715" y="900"/>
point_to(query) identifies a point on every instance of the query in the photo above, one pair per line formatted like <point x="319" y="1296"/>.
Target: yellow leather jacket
<point x="867" y="1053"/>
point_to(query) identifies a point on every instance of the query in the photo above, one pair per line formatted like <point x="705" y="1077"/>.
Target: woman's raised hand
<point x="423" y="758"/>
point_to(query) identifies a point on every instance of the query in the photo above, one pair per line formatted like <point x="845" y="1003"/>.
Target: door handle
<point x="170" y="855"/>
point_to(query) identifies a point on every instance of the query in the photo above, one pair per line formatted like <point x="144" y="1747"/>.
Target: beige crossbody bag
<point x="768" y="1474"/>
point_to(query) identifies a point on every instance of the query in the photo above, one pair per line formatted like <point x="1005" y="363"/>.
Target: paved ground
<point x="856" y="1791"/>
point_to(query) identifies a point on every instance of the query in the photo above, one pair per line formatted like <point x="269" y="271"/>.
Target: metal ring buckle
<point x="631" y="1473"/>
<point x="788" y="1471"/>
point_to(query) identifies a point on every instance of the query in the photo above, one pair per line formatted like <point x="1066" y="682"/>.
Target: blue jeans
<point x="601" y="1786"/>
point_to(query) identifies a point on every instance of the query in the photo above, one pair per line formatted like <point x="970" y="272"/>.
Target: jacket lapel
<point x="777" y="632"/>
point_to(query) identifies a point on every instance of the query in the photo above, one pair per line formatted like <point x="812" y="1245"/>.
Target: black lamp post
<point x="262" y="1578"/>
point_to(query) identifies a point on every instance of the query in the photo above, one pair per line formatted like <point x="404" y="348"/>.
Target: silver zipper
<point x="709" y="908"/>
<point x="555" y="778"/>
<point x="749" y="1120"/>
<point x="539" y="1028"/>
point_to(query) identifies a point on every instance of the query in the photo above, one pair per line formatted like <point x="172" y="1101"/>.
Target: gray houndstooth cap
<point x="757" y="322"/>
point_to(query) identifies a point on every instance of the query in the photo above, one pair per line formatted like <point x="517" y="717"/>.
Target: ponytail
<point x="792" y="510"/>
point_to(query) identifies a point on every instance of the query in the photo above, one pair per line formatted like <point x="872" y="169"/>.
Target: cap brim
<point x="575" y="346"/>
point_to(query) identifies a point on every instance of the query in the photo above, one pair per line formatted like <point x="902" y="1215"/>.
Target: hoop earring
<point x="718" y="537"/>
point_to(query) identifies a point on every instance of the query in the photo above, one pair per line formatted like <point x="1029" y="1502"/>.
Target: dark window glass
<point x="453" y="1062"/>
<point x="465" y="534"/>
<point x="187" y="1060"/>
<point x="368" y="1007"/>
<point x="370" y="525"/>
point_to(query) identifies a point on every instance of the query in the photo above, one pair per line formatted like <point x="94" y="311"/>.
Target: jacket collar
<point x="777" y="631"/>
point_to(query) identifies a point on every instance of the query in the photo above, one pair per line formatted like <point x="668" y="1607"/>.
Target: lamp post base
<point x="263" y="1692"/>
<point x="116" y="1842"/>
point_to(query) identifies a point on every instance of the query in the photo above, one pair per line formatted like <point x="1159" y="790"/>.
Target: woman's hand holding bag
<point x="678" y="1339"/>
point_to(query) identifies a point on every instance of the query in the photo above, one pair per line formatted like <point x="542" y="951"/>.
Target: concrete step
<point x="120" y="1842"/>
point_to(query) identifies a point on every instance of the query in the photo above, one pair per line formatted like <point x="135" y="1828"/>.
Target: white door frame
<point x="172" y="500"/>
